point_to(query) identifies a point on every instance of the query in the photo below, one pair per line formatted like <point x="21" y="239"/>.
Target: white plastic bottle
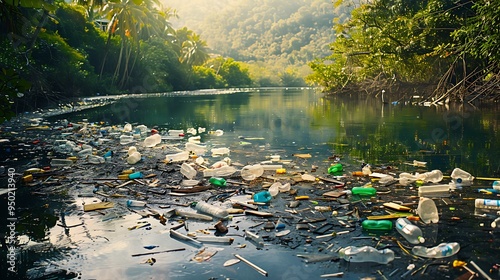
<point x="461" y="178"/>
<point x="211" y="210"/>
<point x="181" y="156"/>
<point x="95" y="159"/>
<point x="126" y="139"/>
<point x="409" y="231"/>
<point x="152" y="140"/>
<point x="434" y="176"/>
<point x="223" y="171"/>
<point x="366" y="254"/>
<point x="487" y="203"/>
<point x="442" y="250"/>
<point x="134" y="158"/>
<point x="195" y="148"/>
<point x="406" y="178"/>
<point x="427" y="210"/>
<point x="220" y="151"/>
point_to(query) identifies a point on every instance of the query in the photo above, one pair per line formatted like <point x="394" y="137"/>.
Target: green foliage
<point x="12" y="86"/>
<point x="234" y="74"/>
<point x="206" y="77"/>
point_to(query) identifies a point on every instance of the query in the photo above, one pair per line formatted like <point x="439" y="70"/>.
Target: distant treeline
<point x="451" y="45"/>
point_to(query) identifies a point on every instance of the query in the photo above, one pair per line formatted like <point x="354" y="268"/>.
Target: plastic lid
<point x="421" y="239"/>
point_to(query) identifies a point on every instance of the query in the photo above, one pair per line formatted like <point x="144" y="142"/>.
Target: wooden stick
<point x="260" y="270"/>
<point x="159" y="252"/>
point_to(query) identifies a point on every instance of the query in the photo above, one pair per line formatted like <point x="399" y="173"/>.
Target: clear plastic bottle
<point x="366" y="254"/>
<point x="487" y="203"/>
<point x="461" y="178"/>
<point x="433" y="190"/>
<point x="95" y="159"/>
<point x="442" y="250"/>
<point x="434" y="176"/>
<point x="188" y="171"/>
<point x="406" y="178"/>
<point x="409" y="231"/>
<point x="126" y="139"/>
<point x="427" y="210"/>
<point x="219" y="172"/>
<point x="211" y="210"/>
<point x="85" y="152"/>
<point x="251" y="172"/>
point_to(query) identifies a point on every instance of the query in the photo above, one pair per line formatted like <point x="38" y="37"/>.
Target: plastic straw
<point x="260" y="270"/>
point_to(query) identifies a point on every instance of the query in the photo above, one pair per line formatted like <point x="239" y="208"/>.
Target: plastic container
<point x="262" y="197"/>
<point x="134" y="158"/>
<point x="135" y="203"/>
<point x="409" y="231"/>
<point x="434" y="190"/>
<point x="220" y="151"/>
<point x="212" y="210"/>
<point x="274" y="189"/>
<point x="366" y="254"/>
<point x="85" y="152"/>
<point x="251" y="172"/>
<point x="188" y="171"/>
<point x="60" y="162"/>
<point x="366" y="170"/>
<point x="427" y="210"/>
<point x="175" y="132"/>
<point x="487" y="204"/>
<point x="219" y="172"/>
<point x="152" y="140"/>
<point x="364" y="191"/>
<point x="461" y="178"/>
<point x="127" y="128"/>
<point x="131" y="150"/>
<point x="195" y="148"/>
<point x="126" y="139"/>
<point x="181" y="156"/>
<point x="377" y="225"/>
<point x="96" y="159"/>
<point x="336" y="169"/>
<point x="442" y="250"/>
<point x="218" y="182"/>
<point x="216" y="239"/>
<point x="272" y="167"/>
<point x="191" y="215"/>
<point x="434" y="176"/>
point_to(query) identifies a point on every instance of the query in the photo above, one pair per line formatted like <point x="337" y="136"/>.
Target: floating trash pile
<point x="257" y="199"/>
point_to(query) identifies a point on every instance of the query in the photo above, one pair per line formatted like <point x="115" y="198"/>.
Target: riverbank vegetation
<point x="449" y="46"/>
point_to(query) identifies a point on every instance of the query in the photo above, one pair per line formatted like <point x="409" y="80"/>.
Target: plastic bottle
<point x="175" y="132"/>
<point x="251" y="172"/>
<point x="409" y="231"/>
<point x="487" y="203"/>
<point x="85" y="152"/>
<point x="366" y="170"/>
<point x="211" y="210"/>
<point x="126" y="139"/>
<point x="274" y="189"/>
<point x="188" y="171"/>
<point x="461" y="178"/>
<point x="406" y="178"/>
<point x="220" y="151"/>
<point x="434" y="176"/>
<point x="364" y="191"/>
<point x="135" y="203"/>
<point x="255" y="238"/>
<point x="127" y="128"/>
<point x="194" y="139"/>
<point x="61" y="162"/>
<point x="195" y="148"/>
<point x="377" y="225"/>
<point x="152" y="140"/>
<point x="134" y="158"/>
<point x="95" y="159"/>
<point x="427" y="210"/>
<point x="218" y="182"/>
<point x="219" y="172"/>
<point x="335" y="169"/>
<point x="262" y="197"/>
<point x="272" y="167"/>
<point x="366" y="254"/>
<point x="433" y="190"/>
<point x="215" y="239"/>
<point x="181" y="156"/>
<point x="442" y="250"/>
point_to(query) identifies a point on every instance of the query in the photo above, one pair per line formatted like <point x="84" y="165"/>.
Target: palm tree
<point x="91" y="7"/>
<point x="194" y="51"/>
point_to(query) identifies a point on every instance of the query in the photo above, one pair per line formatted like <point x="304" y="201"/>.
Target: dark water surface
<point x="358" y="130"/>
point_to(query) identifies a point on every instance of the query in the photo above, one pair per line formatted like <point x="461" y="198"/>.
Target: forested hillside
<point x="277" y="37"/>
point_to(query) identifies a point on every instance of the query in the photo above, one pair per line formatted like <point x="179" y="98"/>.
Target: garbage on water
<point x="206" y="194"/>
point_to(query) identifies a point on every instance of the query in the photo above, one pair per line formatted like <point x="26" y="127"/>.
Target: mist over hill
<point x="275" y="33"/>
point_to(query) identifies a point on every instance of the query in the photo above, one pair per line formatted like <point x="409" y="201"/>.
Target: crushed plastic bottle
<point x="212" y="210"/>
<point x="188" y="171"/>
<point x="262" y="197"/>
<point x="366" y="254"/>
<point x="223" y="171"/>
<point x="442" y="250"/>
<point x="251" y="172"/>
<point x="195" y="148"/>
<point x="218" y="182"/>
<point x="181" y="156"/>
<point x="336" y="169"/>
<point x="434" y="176"/>
<point x="376" y="225"/>
<point x="461" y="178"/>
<point x="406" y="178"/>
<point x="152" y="140"/>
<point x="220" y="151"/>
<point x="134" y="157"/>
<point x="126" y="139"/>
